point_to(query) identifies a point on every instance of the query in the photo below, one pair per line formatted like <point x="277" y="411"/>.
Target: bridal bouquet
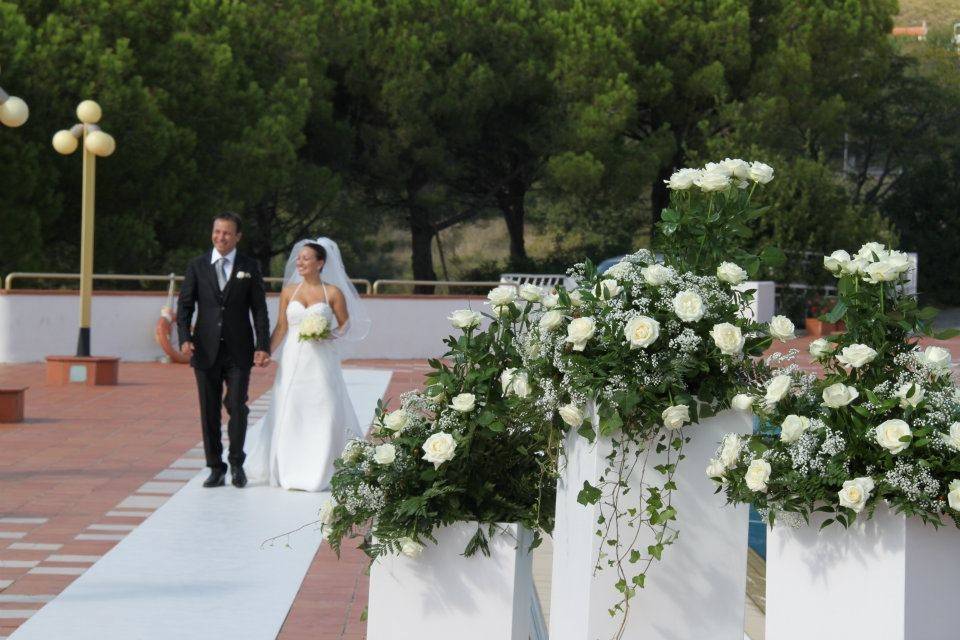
<point x="881" y="425"/>
<point x="314" y="327"/>
<point x="474" y="445"/>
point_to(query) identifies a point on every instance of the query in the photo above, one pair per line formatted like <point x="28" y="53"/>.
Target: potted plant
<point x="455" y="490"/>
<point x="817" y="308"/>
<point x="857" y="471"/>
<point x="641" y="363"/>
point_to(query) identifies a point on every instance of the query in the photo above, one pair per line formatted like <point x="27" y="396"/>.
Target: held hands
<point x="186" y="349"/>
<point x="261" y="358"/>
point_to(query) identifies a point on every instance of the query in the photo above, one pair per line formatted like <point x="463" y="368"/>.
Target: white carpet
<point x="195" y="569"/>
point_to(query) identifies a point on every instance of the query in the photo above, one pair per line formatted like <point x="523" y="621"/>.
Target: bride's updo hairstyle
<point x="320" y="252"/>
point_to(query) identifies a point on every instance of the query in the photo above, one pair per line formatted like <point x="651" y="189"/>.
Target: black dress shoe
<point x="216" y="478"/>
<point x="239" y="478"/>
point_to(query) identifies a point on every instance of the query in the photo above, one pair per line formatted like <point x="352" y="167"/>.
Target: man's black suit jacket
<point x="223" y="317"/>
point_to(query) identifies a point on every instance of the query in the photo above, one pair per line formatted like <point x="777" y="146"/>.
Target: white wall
<point x="33" y="326"/>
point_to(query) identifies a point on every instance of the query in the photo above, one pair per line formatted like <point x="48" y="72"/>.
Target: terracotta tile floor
<point x="83" y="450"/>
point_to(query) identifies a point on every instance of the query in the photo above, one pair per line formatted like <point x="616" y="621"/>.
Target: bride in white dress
<point x="310" y="417"/>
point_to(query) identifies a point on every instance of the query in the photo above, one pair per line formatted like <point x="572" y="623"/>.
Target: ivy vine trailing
<point x="639" y="353"/>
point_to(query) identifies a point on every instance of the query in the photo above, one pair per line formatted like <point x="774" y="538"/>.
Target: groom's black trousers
<point x="210" y="384"/>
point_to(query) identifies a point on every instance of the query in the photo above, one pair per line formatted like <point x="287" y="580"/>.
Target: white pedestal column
<point x="890" y="578"/>
<point x="697" y="591"/>
<point x="442" y="594"/>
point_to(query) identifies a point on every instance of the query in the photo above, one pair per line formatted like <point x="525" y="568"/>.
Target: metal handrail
<point x="442" y="283"/>
<point x="35" y="275"/>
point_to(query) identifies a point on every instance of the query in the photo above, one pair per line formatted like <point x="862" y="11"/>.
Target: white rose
<point x="641" y="331"/>
<point x="579" y="332"/>
<point x="839" y="395"/>
<point x="576" y="299"/>
<point x="872" y="252"/>
<point x="836" y="261"/>
<point x="326" y="512"/>
<point x="820" y="348"/>
<point x="396" y="421"/>
<point x="465" y="319"/>
<point x="742" y="402"/>
<point x="500" y="311"/>
<point x="712" y="178"/>
<point x="910" y="398"/>
<point x="936" y="358"/>
<point x="410" y="547"/>
<point x="952" y="438"/>
<point x="793" y="427"/>
<point x="777" y="388"/>
<point x="352" y="450"/>
<point x="856" y="355"/>
<point x="439" y="448"/>
<point x="676" y="416"/>
<point x="782" y="328"/>
<point x="715" y="469"/>
<point x="728" y="338"/>
<point x="610" y="289"/>
<point x="899" y="261"/>
<point x="760" y="172"/>
<point x="506" y="379"/>
<point x="730" y="450"/>
<point x="550" y="300"/>
<point x="623" y="269"/>
<point x="953" y="498"/>
<point x="520" y="384"/>
<point x="758" y="473"/>
<point x="855" y="266"/>
<point x="688" y="306"/>
<point x="571" y="414"/>
<point x="736" y="167"/>
<point x="464" y="402"/>
<point x="656" y="274"/>
<point x="551" y="320"/>
<point x="682" y="179"/>
<point x="384" y="453"/>
<point x="530" y="292"/>
<point x="882" y="271"/>
<point x="855" y="493"/>
<point x="731" y="273"/>
<point x="889" y="434"/>
<point x="502" y="296"/>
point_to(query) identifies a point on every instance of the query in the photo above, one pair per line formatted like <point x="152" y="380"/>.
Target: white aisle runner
<point x="195" y="569"/>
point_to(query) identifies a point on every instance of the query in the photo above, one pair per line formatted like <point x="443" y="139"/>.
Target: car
<point x="609" y="262"/>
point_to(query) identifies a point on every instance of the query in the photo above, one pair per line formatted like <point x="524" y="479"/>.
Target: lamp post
<point x="95" y="143"/>
<point x="13" y="110"/>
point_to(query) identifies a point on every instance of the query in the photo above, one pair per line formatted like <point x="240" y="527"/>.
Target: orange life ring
<point x="164" y="330"/>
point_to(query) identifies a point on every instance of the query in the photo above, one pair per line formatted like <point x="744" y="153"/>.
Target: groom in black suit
<point x="226" y="288"/>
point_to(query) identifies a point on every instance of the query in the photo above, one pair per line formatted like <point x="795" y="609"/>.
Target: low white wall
<point x="35" y="325"/>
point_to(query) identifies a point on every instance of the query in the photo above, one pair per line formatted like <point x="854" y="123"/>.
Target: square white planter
<point x="442" y="594"/>
<point x="890" y="578"/>
<point x="696" y="592"/>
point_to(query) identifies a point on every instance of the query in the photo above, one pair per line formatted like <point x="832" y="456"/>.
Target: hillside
<point x="939" y="14"/>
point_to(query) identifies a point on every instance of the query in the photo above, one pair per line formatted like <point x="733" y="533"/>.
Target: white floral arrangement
<point x="313" y="328"/>
<point x="881" y="425"/>
<point x="650" y="351"/>
<point x="472" y="445"/>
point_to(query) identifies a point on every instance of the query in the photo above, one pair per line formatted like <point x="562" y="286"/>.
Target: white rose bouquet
<point x="313" y="328"/>
<point x="882" y="424"/>
<point x="475" y="444"/>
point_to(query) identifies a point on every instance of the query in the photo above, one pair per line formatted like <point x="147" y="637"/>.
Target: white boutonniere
<point x="242" y="275"/>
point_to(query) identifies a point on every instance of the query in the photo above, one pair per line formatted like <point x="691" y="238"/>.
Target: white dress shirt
<point x="229" y="259"/>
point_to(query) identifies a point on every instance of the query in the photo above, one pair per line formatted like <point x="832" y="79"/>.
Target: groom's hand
<point x="187" y="349"/>
<point x="261" y="358"/>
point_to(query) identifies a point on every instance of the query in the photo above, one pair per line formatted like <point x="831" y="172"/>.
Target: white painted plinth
<point x="442" y="594"/>
<point x="697" y="591"/>
<point x="890" y="578"/>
